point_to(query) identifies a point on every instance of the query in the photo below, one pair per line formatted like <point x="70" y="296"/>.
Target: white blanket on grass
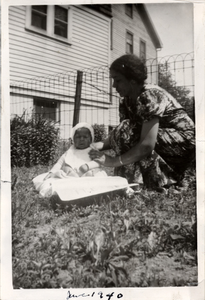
<point x="72" y="188"/>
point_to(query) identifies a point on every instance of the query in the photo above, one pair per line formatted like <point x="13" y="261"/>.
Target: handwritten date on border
<point x="100" y="295"/>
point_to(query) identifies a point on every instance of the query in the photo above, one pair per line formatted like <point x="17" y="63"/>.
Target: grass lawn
<point x="148" y="240"/>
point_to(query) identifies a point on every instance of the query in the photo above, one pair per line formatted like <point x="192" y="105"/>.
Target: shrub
<point x="99" y="132"/>
<point x="33" y="140"/>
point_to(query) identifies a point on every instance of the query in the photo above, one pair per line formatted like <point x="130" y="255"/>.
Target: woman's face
<point x="82" y="138"/>
<point x="121" y="83"/>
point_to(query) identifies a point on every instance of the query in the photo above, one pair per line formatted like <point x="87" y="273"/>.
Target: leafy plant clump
<point x="99" y="132"/>
<point x="33" y="140"/>
<point x="167" y="82"/>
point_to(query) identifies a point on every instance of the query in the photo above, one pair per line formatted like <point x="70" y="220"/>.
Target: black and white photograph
<point x="102" y="150"/>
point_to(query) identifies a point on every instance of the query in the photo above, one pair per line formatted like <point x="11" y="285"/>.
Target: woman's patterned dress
<point x="175" y="146"/>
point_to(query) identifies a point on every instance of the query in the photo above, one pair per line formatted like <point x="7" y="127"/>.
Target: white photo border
<point x="168" y="293"/>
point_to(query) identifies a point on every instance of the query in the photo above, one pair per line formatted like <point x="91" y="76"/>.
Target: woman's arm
<point x="139" y="151"/>
<point x="145" y="145"/>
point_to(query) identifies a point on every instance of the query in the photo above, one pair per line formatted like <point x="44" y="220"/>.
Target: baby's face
<point x="82" y="138"/>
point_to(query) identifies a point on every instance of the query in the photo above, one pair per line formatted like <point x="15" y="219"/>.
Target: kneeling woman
<point x="155" y="140"/>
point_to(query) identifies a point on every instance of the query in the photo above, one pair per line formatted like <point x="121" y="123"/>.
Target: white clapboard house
<point x="50" y="43"/>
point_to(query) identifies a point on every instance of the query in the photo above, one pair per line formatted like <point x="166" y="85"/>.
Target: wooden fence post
<point x="76" y="114"/>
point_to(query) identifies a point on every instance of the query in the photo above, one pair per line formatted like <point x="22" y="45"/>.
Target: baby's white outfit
<point x="66" y="167"/>
<point x="74" y="158"/>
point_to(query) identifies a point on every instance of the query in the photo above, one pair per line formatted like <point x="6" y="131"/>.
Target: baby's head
<point x="83" y="135"/>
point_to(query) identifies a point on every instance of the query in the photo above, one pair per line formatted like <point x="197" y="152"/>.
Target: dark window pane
<point x="46" y="109"/>
<point x="40" y="8"/>
<point x="129" y="38"/>
<point x="60" y="28"/>
<point x="128" y="10"/>
<point x="129" y="43"/>
<point x="61" y="21"/>
<point x="38" y="21"/>
<point x="129" y="49"/>
<point x="61" y="14"/>
<point x="142" y="50"/>
<point x="39" y="16"/>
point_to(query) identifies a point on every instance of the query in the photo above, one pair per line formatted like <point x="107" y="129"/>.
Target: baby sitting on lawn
<point x="75" y="162"/>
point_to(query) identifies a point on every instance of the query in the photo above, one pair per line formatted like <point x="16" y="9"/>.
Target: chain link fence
<point x="59" y="96"/>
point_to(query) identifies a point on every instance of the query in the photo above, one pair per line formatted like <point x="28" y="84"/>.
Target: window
<point x="129" y="42"/>
<point x="129" y="10"/>
<point x="52" y="21"/>
<point x="142" y="50"/>
<point x="61" y="21"/>
<point x="39" y="16"/>
<point x="111" y="35"/>
<point x="47" y="108"/>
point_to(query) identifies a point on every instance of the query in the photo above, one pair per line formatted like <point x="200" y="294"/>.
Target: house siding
<point x="41" y="55"/>
<point x="48" y="66"/>
<point x="121" y="23"/>
<point x="35" y="59"/>
<point x="135" y="25"/>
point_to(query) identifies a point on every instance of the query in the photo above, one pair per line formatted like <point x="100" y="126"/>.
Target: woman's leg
<point x="156" y="172"/>
<point x="152" y="171"/>
<point x="177" y="148"/>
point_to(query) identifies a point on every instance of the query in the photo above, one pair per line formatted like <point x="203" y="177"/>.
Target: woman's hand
<point x="97" y="156"/>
